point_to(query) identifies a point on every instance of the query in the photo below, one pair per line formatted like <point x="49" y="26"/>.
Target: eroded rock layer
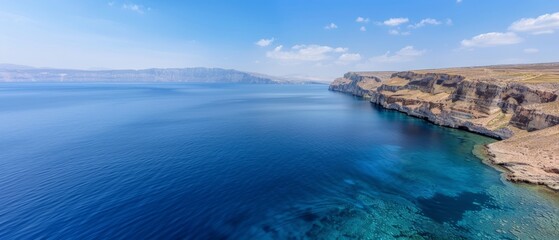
<point x="503" y="102"/>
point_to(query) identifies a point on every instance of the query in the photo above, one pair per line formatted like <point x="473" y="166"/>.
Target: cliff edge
<point x="518" y="104"/>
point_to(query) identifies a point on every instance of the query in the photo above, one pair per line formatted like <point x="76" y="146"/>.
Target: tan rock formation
<point x="515" y="102"/>
<point x="531" y="157"/>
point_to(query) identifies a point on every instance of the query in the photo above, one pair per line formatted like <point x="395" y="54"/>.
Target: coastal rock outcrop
<point x="501" y="102"/>
<point x="356" y="84"/>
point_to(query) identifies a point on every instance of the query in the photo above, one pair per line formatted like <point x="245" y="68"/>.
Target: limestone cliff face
<point x="480" y="96"/>
<point x="356" y="84"/>
<point x="531" y="119"/>
<point x="429" y="82"/>
<point x="482" y="105"/>
<point x="518" y="103"/>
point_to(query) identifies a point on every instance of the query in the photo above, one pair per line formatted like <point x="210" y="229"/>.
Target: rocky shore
<point x="518" y="104"/>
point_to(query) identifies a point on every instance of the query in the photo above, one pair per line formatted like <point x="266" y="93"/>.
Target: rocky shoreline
<point x="518" y="104"/>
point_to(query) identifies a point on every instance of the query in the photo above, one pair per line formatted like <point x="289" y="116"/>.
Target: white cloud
<point x="264" y="42"/>
<point x="340" y="50"/>
<point x="349" y="57"/>
<point x="310" y="53"/>
<point x="363" y="29"/>
<point x="398" y="32"/>
<point x="331" y="26"/>
<point x="134" y="8"/>
<point x="492" y="39"/>
<point x="531" y="50"/>
<point x="406" y="54"/>
<point x="449" y="22"/>
<point x="425" y="22"/>
<point x="362" y="20"/>
<point x="458" y="1"/>
<point x="395" y="21"/>
<point x="543" y="24"/>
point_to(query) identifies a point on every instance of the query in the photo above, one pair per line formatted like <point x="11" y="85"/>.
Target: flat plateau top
<point x="542" y="73"/>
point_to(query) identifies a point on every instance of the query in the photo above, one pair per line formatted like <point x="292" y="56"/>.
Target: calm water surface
<point x="196" y="161"/>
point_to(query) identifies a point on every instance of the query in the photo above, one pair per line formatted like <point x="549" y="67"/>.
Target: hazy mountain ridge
<point x="17" y="73"/>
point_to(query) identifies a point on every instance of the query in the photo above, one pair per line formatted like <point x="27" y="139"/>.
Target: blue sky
<point x="313" y="39"/>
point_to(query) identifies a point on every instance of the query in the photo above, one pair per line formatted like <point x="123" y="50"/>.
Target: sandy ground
<point x="531" y="157"/>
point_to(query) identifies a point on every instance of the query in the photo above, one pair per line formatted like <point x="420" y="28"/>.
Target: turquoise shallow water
<point x="197" y="161"/>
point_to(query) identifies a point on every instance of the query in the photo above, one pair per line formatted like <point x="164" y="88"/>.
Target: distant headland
<point x="19" y="73"/>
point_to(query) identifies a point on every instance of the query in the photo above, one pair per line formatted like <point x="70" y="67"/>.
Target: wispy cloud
<point x="363" y="29"/>
<point x="531" y="50"/>
<point x="264" y="42"/>
<point x="543" y="24"/>
<point x="449" y="22"/>
<point x="362" y="20"/>
<point x="425" y="22"/>
<point x="331" y="26"/>
<point x="406" y="54"/>
<point x="348" y="58"/>
<point x="308" y="53"/>
<point x="393" y="22"/>
<point x="15" y="18"/>
<point x="492" y="39"/>
<point x="458" y="1"/>
<point x="398" y="32"/>
<point x="134" y="8"/>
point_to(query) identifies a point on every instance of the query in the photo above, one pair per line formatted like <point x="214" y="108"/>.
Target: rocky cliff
<point x="497" y="101"/>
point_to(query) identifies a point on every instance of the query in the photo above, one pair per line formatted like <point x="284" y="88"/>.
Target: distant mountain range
<point x="19" y="73"/>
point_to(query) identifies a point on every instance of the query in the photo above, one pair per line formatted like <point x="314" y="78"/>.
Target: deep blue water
<point x="197" y="161"/>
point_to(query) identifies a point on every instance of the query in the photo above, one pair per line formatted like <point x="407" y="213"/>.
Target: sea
<point x="240" y="161"/>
